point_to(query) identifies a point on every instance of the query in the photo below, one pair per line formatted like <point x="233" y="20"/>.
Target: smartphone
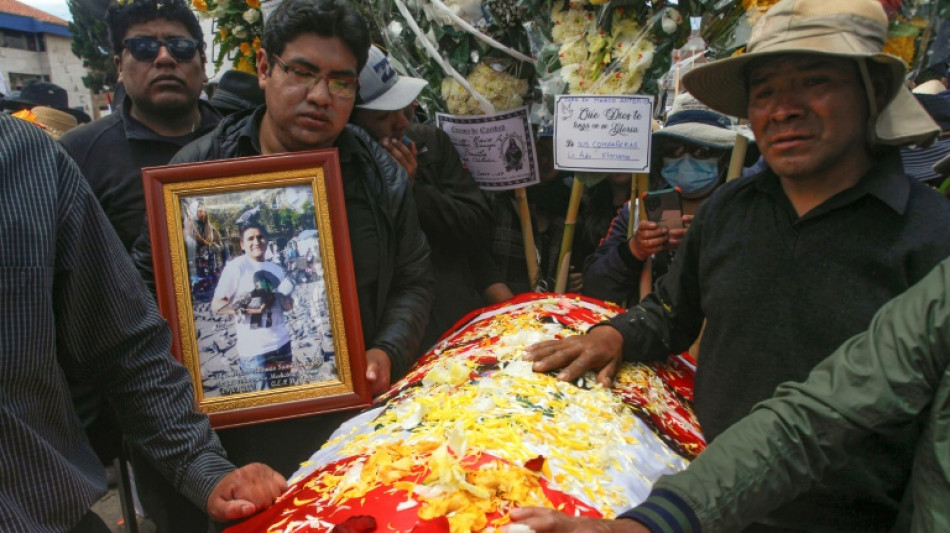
<point x="664" y="207"/>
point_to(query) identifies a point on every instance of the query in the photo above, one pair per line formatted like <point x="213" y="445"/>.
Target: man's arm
<point x="877" y="380"/>
<point x="406" y="310"/>
<point x="666" y="321"/>
<point x="110" y="334"/>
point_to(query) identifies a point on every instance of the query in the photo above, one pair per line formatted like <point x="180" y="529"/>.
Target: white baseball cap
<point x="382" y="88"/>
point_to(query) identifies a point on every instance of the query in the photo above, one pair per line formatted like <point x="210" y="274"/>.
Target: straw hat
<point x="853" y="29"/>
<point x="929" y="87"/>
<point x="53" y="121"/>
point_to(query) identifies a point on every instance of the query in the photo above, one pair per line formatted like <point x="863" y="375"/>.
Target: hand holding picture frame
<point x="254" y="274"/>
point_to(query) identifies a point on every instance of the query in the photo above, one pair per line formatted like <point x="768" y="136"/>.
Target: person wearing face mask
<point x="691" y="154"/>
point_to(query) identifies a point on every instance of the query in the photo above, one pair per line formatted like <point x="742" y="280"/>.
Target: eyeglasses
<point x="339" y="85"/>
<point x="147" y="48"/>
<point x="673" y="150"/>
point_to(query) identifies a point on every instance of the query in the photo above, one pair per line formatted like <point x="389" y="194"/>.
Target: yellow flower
<point x="245" y="48"/>
<point x="200" y="5"/>
<point x="244" y="64"/>
<point x="222" y="33"/>
<point x="256" y="45"/>
<point x="902" y="47"/>
<point x="256" y="4"/>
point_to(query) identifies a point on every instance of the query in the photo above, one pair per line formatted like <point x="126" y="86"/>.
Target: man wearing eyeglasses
<point x="308" y="66"/>
<point x="159" y="54"/>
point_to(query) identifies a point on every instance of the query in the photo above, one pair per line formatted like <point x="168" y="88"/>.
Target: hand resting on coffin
<point x="542" y="520"/>
<point x="599" y="350"/>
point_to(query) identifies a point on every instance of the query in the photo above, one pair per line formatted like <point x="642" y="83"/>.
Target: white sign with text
<point x="498" y="149"/>
<point x="602" y="133"/>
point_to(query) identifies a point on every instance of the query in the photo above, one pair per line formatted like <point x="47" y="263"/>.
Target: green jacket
<point x="895" y="372"/>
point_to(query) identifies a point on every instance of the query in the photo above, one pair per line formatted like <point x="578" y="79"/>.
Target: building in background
<point x="35" y="44"/>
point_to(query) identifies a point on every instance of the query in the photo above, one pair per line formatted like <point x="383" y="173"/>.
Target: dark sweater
<point x="112" y="151"/>
<point x="781" y="292"/>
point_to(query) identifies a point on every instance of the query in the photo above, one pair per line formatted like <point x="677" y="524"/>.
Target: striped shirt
<point x="73" y="309"/>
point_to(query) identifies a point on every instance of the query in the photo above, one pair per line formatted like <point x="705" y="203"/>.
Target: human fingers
<point x="539" y="519"/>
<point x="558" y="356"/>
<point x="542" y="520"/>
<point x="228" y="510"/>
<point x="540" y="350"/>
<point x="606" y="375"/>
<point x="676" y="237"/>
<point x="378" y="368"/>
<point x="651" y="241"/>
<point x="575" y="282"/>
<point x="245" y="491"/>
<point x="596" y="350"/>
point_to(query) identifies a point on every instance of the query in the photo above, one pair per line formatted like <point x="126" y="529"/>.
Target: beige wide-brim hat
<point x="853" y="29"/>
<point x="54" y="121"/>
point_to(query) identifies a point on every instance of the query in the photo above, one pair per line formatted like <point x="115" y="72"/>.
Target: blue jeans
<point x="262" y="368"/>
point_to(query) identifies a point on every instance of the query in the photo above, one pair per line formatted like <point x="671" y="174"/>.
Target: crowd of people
<point x="775" y="269"/>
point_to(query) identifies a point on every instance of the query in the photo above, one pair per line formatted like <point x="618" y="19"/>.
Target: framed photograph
<point x="254" y="274"/>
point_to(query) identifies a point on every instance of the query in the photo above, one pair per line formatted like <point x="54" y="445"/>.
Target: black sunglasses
<point x="147" y="48"/>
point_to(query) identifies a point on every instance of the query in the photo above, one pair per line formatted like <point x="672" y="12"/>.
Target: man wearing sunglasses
<point x="308" y="66"/>
<point x="159" y="54"/>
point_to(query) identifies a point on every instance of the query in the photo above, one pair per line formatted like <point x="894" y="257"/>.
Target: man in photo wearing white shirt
<point x="256" y="293"/>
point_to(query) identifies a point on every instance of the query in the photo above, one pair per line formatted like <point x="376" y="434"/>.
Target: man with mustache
<point x="787" y="264"/>
<point x="160" y="56"/>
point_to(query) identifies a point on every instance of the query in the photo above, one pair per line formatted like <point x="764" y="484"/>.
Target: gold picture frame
<point x="254" y="274"/>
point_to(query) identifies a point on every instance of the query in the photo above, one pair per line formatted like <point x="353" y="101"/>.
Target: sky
<point x="53" y="7"/>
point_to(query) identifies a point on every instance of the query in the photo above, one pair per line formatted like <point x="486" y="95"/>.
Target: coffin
<point x="472" y="432"/>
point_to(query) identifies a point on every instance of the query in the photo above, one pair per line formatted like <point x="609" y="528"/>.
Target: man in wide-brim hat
<point x="785" y="265"/>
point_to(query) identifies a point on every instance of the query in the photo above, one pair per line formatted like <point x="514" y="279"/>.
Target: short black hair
<point x="326" y="18"/>
<point x="253" y="225"/>
<point x="122" y="16"/>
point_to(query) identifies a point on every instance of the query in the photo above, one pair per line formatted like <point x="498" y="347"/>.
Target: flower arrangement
<point x="483" y="56"/>
<point x="239" y="30"/>
<point x="596" y="61"/>
<point x="503" y="90"/>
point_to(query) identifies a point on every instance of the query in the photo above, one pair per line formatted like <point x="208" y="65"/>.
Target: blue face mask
<point x="694" y="177"/>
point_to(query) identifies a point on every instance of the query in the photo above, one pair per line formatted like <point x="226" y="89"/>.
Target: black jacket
<point x="394" y="321"/>
<point x="455" y="217"/>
